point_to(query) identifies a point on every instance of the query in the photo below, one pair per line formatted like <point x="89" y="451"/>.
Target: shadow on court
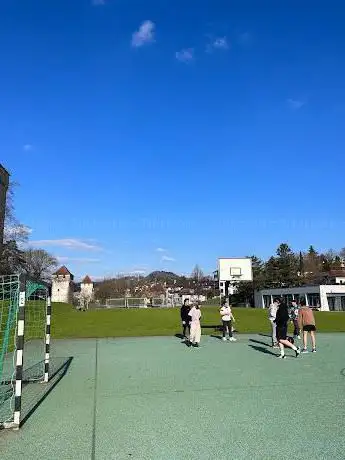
<point x="34" y="391"/>
<point x="262" y="350"/>
<point x="259" y="342"/>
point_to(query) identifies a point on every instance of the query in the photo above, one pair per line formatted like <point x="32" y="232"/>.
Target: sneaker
<point x="232" y="339"/>
<point x="313" y="350"/>
<point x="281" y="357"/>
<point x="224" y="339"/>
<point x="299" y="337"/>
<point x="298" y="352"/>
<point x="304" y="350"/>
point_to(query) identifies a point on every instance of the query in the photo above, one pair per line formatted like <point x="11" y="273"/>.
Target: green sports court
<point x="154" y="398"/>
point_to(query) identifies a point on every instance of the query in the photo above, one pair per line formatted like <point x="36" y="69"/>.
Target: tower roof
<point x="63" y="271"/>
<point x="87" y="280"/>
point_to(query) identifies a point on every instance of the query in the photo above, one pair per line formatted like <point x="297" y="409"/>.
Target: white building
<point x="326" y="297"/>
<point x="86" y="288"/>
<point x="62" y="286"/>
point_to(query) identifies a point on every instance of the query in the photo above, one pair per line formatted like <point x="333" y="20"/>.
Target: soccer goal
<point x="116" y="303"/>
<point x="25" y="317"/>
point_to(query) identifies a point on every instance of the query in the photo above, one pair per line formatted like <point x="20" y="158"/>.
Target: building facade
<point x="326" y="297"/>
<point x="86" y="288"/>
<point x="62" y="286"/>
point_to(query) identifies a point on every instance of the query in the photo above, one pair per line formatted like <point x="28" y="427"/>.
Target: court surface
<point x="153" y="398"/>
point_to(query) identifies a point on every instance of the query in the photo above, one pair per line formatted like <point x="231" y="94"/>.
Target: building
<point x="4" y="181"/>
<point x="86" y="288"/>
<point x="325" y="297"/>
<point x="336" y="277"/>
<point x="62" y="286"/>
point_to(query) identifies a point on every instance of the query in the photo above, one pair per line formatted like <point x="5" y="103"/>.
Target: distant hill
<point x="162" y="276"/>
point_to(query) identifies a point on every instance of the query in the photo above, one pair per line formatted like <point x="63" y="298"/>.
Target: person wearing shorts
<point x="307" y="323"/>
<point x="282" y="319"/>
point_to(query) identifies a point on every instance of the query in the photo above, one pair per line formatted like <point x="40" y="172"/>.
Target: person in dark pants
<point x="185" y="318"/>
<point x="282" y="319"/>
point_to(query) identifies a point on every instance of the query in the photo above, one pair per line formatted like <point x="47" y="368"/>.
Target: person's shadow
<point x="259" y="342"/>
<point x="262" y="350"/>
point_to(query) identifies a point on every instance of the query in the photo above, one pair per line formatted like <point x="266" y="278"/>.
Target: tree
<point x="39" y="264"/>
<point x="12" y="259"/>
<point x="287" y="265"/>
<point x="197" y="273"/>
<point x="14" y="230"/>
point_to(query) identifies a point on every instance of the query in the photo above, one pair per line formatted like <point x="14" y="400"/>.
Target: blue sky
<point x="160" y="134"/>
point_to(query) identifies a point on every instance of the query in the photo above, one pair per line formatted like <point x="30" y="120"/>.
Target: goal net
<point x="116" y="303"/>
<point x="25" y="313"/>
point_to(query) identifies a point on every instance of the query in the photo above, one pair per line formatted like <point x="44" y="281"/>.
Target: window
<point x="331" y="302"/>
<point x="313" y="299"/>
<point x="267" y="301"/>
<point x="287" y="298"/>
<point x="343" y="302"/>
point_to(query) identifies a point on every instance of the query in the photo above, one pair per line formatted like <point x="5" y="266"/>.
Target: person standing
<point x="272" y="312"/>
<point x="185" y="318"/>
<point x="282" y="319"/>
<point x="227" y="319"/>
<point x="306" y="321"/>
<point x="294" y="309"/>
<point x="195" y="327"/>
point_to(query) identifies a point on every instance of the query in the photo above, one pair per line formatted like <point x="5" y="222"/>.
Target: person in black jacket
<point x="282" y="319"/>
<point x="185" y="318"/>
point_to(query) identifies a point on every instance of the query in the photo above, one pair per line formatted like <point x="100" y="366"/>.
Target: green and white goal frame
<point x="25" y="321"/>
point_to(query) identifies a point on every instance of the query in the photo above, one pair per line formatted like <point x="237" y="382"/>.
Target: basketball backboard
<point x="235" y="269"/>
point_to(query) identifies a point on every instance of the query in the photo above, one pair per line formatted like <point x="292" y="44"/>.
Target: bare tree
<point x="197" y="273"/>
<point x="14" y="230"/>
<point x="39" y="264"/>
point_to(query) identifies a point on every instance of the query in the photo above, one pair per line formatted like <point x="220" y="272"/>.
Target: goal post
<point x="25" y="322"/>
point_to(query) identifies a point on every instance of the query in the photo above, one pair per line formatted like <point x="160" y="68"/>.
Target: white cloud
<point x="144" y="35"/>
<point x="79" y="260"/>
<point x="70" y="243"/>
<point x="185" y="55"/>
<point x="295" y="104"/>
<point x="27" y="147"/>
<point x="168" y="259"/>
<point x="220" y="43"/>
<point x="161" y="250"/>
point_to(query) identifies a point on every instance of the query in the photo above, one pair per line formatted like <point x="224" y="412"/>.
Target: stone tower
<point x="62" y="286"/>
<point x="4" y="180"/>
<point x="86" y="288"/>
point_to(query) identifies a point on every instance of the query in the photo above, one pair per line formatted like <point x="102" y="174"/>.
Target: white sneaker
<point x="281" y="357"/>
<point x="232" y="339"/>
<point x="304" y="351"/>
<point x="224" y="339"/>
<point x="299" y="337"/>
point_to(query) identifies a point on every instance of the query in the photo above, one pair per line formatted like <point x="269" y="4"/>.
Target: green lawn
<point x="67" y="322"/>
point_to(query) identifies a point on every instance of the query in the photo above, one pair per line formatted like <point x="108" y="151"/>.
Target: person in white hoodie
<point x="227" y="319"/>
<point x="272" y="313"/>
<point x="195" y="327"/>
